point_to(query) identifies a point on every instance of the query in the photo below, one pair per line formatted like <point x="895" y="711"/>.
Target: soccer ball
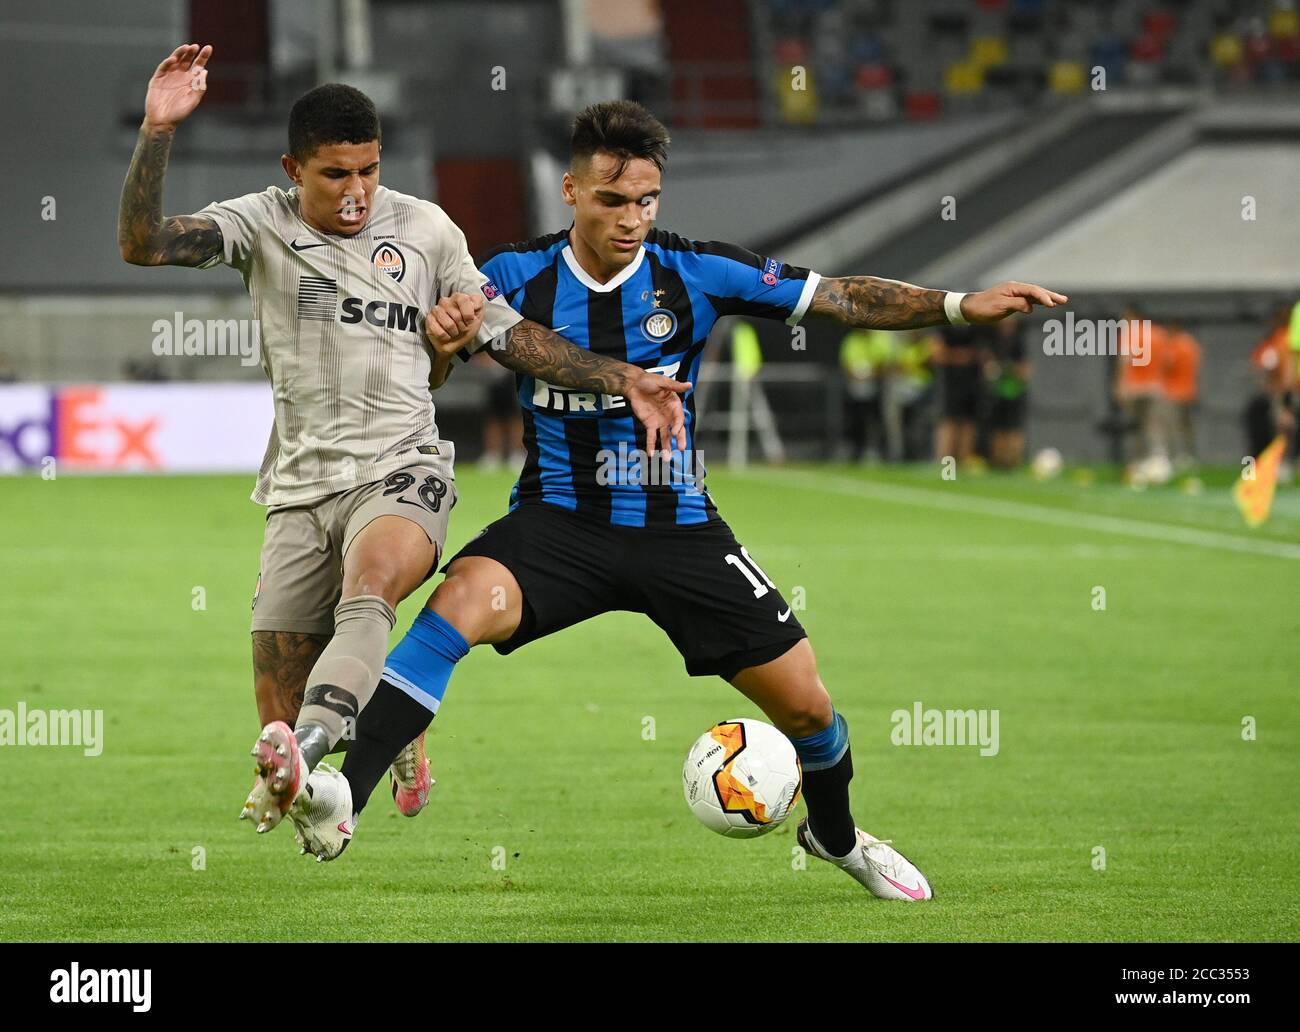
<point x="742" y="778"/>
<point x="1047" y="464"/>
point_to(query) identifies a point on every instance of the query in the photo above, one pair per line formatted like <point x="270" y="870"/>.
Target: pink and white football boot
<point x="882" y="869"/>
<point x="281" y="773"/>
<point x="410" y="778"/>
<point x="322" y="814"/>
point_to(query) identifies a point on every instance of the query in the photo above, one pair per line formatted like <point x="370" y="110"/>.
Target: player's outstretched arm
<point x="144" y="235"/>
<point x="655" y="400"/>
<point x="869" y="302"/>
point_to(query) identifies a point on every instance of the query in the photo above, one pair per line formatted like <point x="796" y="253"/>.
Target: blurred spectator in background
<point x="909" y="402"/>
<point x="1140" y="389"/>
<point x="1292" y="401"/>
<point x="865" y="359"/>
<point x="1007" y="371"/>
<point x="1274" y="408"/>
<point x="629" y="35"/>
<point x="8" y="373"/>
<point x="959" y="362"/>
<point x="1179" y="373"/>
<point x="503" y="422"/>
<point x="144" y="370"/>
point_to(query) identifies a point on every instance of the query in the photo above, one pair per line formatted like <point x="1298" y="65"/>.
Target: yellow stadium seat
<point x="1226" y="50"/>
<point x="988" y="51"/>
<point x="1283" y="23"/>
<point x="1067" y="77"/>
<point x="964" y="77"/>
<point x="798" y="107"/>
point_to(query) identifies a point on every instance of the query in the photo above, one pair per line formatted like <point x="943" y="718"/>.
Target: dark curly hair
<point x="332" y="113"/>
<point x="622" y="128"/>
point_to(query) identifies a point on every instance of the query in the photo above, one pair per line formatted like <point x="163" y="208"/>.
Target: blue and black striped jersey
<point x="586" y="452"/>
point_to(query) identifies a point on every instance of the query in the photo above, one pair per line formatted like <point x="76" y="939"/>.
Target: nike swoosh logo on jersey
<point x="561" y="329"/>
<point x="305" y="247"/>
<point x="783" y="617"/>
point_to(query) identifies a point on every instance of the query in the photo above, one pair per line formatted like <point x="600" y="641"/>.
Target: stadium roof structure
<point x="1223" y="216"/>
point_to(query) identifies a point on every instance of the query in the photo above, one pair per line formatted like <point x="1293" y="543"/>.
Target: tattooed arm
<point x="872" y="303"/>
<point x="144" y="236"/>
<point x="534" y="350"/>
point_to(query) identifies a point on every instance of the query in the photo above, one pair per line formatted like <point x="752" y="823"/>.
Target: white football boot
<point x="882" y="869"/>
<point x="410" y="778"/>
<point x="281" y="772"/>
<point x="322" y="814"/>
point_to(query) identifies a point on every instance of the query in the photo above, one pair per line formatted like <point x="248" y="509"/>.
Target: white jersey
<point x="342" y="335"/>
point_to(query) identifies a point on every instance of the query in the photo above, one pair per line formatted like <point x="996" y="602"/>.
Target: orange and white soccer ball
<point x="742" y="778"/>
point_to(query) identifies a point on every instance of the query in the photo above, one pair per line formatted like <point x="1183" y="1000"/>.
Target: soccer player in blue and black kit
<point x="590" y="520"/>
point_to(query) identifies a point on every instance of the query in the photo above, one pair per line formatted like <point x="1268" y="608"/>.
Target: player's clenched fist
<point x="177" y="86"/>
<point x="453" y="322"/>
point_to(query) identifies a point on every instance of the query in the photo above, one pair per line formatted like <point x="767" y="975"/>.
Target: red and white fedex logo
<point x="76" y="425"/>
<point x="134" y="427"/>
<point x="91" y="435"/>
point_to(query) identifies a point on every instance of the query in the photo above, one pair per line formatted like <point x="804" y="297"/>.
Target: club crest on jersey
<point x="389" y="260"/>
<point x="771" y="272"/>
<point x="658" y="324"/>
<point x="491" y="291"/>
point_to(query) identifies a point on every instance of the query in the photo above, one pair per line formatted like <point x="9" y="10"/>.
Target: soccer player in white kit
<point x="352" y="284"/>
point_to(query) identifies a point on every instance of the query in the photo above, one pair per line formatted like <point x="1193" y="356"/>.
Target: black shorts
<point x="502" y="403"/>
<point x="961" y="393"/>
<point x="696" y="582"/>
<point x="1008" y="413"/>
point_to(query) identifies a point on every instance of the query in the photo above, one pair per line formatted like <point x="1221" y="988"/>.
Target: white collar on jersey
<point x="585" y="279"/>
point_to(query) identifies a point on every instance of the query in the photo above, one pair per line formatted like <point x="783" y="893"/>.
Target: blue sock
<point x="421" y="664"/>
<point x="827" y="769"/>
<point x="824" y="749"/>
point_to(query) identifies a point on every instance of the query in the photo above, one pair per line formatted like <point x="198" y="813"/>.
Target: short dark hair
<point x="332" y="113"/>
<point x="622" y="128"/>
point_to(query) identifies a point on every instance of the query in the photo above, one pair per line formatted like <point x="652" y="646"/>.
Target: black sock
<point x="390" y="721"/>
<point x="827" y="794"/>
<point x="314" y="744"/>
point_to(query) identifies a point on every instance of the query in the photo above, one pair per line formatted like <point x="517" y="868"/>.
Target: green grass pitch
<point x="1119" y="728"/>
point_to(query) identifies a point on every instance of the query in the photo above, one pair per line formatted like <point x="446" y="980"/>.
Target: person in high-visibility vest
<point x="746" y="352"/>
<point x="1292" y="396"/>
<point x="911" y="394"/>
<point x="866" y="357"/>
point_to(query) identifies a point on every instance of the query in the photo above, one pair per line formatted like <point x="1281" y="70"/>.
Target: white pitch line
<point x="1028" y="512"/>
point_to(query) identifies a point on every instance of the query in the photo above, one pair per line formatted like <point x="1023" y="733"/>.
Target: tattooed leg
<point x="281" y="662"/>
